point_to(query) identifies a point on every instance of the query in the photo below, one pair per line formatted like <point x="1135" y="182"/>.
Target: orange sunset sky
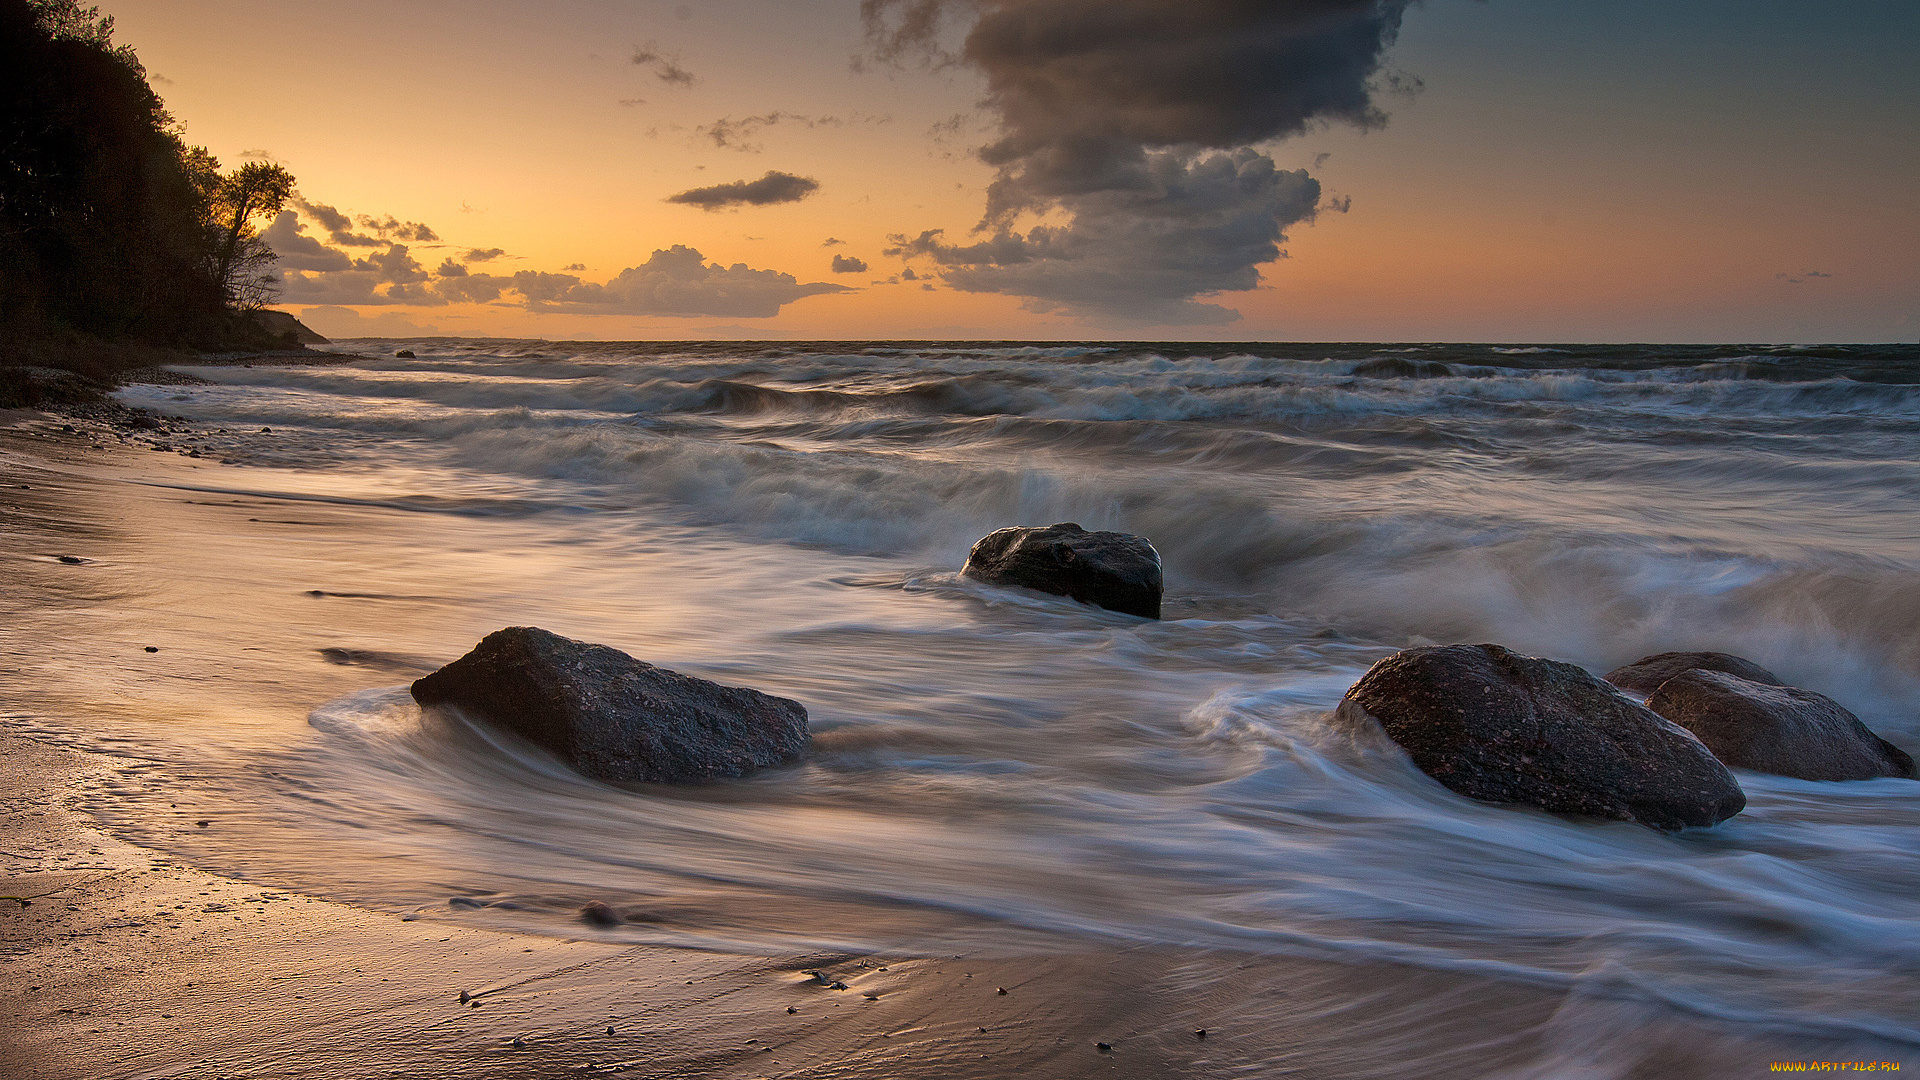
<point x="1545" y="171"/>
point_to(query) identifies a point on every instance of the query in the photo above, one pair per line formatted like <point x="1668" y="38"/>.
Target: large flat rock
<point x="1116" y="571"/>
<point x="1777" y="729"/>
<point x="1647" y="673"/>
<point x="1497" y="726"/>
<point x="613" y="717"/>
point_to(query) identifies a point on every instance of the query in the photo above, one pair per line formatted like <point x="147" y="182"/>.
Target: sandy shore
<point x="126" y="961"/>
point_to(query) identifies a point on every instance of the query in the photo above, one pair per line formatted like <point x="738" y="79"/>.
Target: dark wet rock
<point x="1493" y="725"/>
<point x="404" y="354"/>
<point x="72" y="560"/>
<point x="1398" y="367"/>
<point x="600" y="914"/>
<point x="1777" y="729"/>
<point x="1116" y="571"/>
<point x="1647" y="673"/>
<point x="613" y="717"/>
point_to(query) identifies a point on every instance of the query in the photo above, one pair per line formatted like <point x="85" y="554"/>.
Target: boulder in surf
<point x="613" y="717"/>
<point x="1782" y="730"/>
<point x="1494" y="725"/>
<point x="1116" y="571"/>
<point x="1647" y="673"/>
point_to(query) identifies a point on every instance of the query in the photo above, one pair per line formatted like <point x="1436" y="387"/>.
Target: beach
<point x="1140" y="831"/>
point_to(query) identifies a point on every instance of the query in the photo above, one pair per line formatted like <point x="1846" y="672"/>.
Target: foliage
<point x="110" y="225"/>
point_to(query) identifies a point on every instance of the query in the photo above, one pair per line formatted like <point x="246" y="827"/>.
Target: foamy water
<point x="993" y="769"/>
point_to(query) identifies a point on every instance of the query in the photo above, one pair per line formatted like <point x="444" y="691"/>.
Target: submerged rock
<point x="1116" y="571"/>
<point x="1647" y="673"/>
<point x="613" y="717"/>
<point x="1493" y="725"/>
<point x="1777" y="729"/>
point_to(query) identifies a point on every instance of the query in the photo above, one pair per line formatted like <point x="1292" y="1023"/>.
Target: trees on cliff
<point x="110" y="225"/>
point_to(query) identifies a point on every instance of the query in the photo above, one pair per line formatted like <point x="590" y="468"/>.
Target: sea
<point x="998" y="770"/>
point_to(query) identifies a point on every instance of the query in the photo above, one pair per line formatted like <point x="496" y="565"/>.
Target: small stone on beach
<point x="1001" y="991"/>
<point x="153" y="648"/>
<point x="72" y="560"/>
<point x="600" y="914"/>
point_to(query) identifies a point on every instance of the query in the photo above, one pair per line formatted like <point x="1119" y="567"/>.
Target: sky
<point x="1303" y="170"/>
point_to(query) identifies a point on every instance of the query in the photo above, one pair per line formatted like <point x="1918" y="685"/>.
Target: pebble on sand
<point x="153" y="648"/>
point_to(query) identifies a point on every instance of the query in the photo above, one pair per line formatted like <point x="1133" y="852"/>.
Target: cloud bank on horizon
<point x="1139" y="122"/>
<point x="675" y="281"/>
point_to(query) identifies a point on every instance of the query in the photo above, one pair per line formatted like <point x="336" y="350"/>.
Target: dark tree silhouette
<point x="110" y="226"/>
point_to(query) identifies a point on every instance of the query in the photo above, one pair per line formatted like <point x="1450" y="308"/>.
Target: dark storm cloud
<point x="847" y="264"/>
<point x="1201" y="226"/>
<point x="666" y="67"/>
<point x="1112" y="110"/>
<point x="775" y="187"/>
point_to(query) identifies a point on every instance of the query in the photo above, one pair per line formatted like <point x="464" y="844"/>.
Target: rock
<point x="1112" y="570"/>
<point x="599" y="913"/>
<point x="1777" y="729"/>
<point x="1647" y="673"/>
<point x="613" y="717"/>
<point x="404" y="354"/>
<point x="1493" y="725"/>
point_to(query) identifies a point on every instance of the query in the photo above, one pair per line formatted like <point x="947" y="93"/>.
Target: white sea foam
<point x="1012" y="761"/>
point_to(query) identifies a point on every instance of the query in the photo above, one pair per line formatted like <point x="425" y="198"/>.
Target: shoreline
<point x="148" y="966"/>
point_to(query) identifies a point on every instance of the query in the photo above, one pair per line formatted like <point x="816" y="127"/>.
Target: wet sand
<point x="128" y="961"/>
